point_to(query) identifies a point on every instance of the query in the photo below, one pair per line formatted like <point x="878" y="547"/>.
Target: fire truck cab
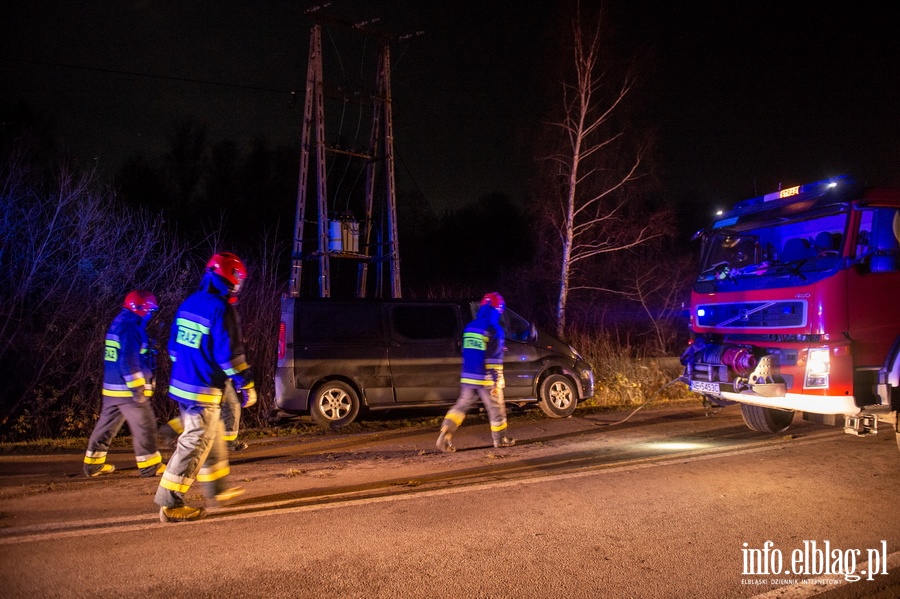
<point x="797" y="308"/>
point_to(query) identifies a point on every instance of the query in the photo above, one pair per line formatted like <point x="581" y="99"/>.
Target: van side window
<point x="516" y="327"/>
<point x="422" y="323"/>
<point x="338" y="324"/>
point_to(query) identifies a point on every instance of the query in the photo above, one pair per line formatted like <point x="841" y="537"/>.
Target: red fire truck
<point x="797" y="308"/>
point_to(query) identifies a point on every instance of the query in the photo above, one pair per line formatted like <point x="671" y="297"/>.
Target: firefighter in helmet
<point x="482" y="374"/>
<point x="127" y="388"/>
<point x="206" y="349"/>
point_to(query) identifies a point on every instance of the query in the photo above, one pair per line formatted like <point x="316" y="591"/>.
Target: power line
<point x="62" y="65"/>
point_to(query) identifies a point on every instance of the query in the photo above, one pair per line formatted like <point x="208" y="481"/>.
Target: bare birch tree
<point x="594" y="167"/>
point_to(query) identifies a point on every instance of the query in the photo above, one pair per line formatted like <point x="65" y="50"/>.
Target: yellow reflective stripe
<point x="194" y="326"/>
<point x="478" y="382"/>
<point x="144" y="461"/>
<point x="176" y="425"/>
<point x="237" y="369"/>
<point x="135" y="380"/>
<point x="474" y="341"/>
<point x="494" y="366"/>
<point x="455" y="417"/>
<point x="173" y="486"/>
<point x="496" y="428"/>
<point x="110" y="393"/>
<point x="178" y="484"/>
<point x="111" y="343"/>
<point x="208" y="475"/>
<point x="230" y="436"/>
<point x="198" y="397"/>
<point x="95" y="460"/>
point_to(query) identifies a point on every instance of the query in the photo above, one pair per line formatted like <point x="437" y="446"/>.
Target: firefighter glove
<point x="246" y="396"/>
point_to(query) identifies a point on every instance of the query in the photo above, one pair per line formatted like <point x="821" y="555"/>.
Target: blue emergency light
<point x="783" y="196"/>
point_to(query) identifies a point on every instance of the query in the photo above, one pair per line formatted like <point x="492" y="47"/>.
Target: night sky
<point x="740" y="97"/>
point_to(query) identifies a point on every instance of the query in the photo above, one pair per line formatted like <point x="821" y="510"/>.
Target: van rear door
<point x="425" y="355"/>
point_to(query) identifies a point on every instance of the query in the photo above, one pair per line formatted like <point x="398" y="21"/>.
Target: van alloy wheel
<point x="334" y="405"/>
<point x="558" y="396"/>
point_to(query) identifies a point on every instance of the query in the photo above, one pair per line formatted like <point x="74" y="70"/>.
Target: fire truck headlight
<point x="818" y="365"/>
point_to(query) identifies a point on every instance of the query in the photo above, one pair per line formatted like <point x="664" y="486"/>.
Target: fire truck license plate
<point x="704" y="387"/>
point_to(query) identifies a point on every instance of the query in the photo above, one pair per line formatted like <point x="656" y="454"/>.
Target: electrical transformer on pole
<point x="379" y="161"/>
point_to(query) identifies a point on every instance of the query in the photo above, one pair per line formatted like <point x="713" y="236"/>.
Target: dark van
<point x="337" y="357"/>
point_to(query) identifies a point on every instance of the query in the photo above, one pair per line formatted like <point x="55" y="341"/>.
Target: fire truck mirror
<point x="883" y="261"/>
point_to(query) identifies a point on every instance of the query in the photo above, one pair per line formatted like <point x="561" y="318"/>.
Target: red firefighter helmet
<point x="494" y="300"/>
<point x="141" y="302"/>
<point x="229" y="267"/>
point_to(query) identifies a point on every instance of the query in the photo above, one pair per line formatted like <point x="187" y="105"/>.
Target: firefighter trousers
<point x="231" y="412"/>
<point x="493" y="404"/>
<point x="142" y="424"/>
<point x="200" y="455"/>
<point x="231" y="418"/>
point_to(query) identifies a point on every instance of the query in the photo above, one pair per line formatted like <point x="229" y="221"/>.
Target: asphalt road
<point x="671" y="503"/>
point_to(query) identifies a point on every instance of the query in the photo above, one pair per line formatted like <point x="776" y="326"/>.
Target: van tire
<point x="558" y="396"/>
<point x="766" y="420"/>
<point x="334" y="404"/>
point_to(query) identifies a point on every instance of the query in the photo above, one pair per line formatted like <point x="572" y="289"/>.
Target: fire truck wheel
<point x="558" y="396"/>
<point x="766" y="420"/>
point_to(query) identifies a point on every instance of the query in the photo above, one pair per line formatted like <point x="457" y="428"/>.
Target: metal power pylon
<point x="379" y="171"/>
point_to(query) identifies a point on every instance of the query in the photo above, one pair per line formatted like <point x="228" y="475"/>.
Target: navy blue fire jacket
<point x="482" y="349"/>
<point x="205" y="347"/>
<point x="126" y="364"/>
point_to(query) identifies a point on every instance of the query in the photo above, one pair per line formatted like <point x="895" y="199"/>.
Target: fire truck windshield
<point x="774" y="245"/>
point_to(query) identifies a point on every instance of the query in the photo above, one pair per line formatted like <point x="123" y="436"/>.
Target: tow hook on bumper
<point x="862" y="425"/>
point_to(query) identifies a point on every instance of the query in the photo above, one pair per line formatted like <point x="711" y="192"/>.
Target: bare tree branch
<point x="594" y="190"/>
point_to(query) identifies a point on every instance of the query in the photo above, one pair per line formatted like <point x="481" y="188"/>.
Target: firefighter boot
<point x="237" y="446"/>
<point x="443" y="441"/>
<point x="104" y="469"/>
<point x="181" y="514"/>
<point x="228" y="496"/>
<point x="504" y="441"/>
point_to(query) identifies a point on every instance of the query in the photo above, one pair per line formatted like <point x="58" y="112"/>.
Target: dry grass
<point x="624" y="376"/>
